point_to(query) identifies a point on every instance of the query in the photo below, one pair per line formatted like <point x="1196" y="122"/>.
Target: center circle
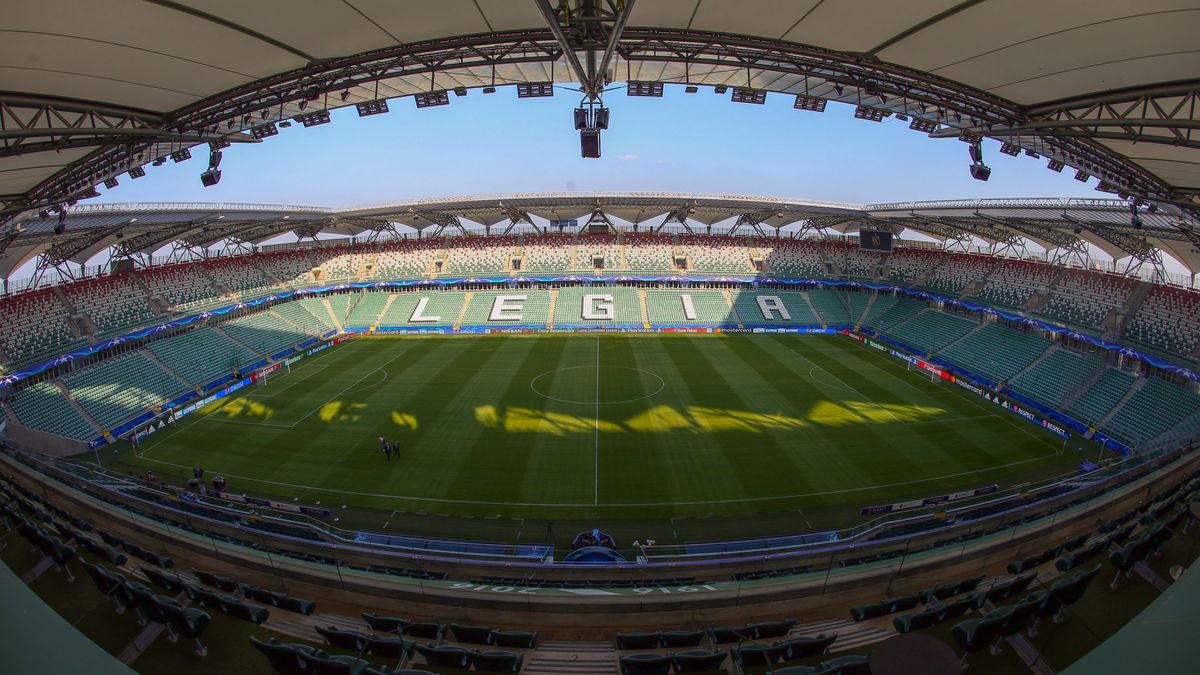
<point x="625" y="372"/>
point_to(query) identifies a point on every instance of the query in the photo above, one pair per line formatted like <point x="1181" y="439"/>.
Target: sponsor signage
<point x="930" y="501"/>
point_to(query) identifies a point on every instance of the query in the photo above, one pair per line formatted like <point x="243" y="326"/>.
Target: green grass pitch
<point x="799" y="431"/>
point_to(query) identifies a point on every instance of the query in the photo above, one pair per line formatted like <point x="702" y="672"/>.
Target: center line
<point x="596" y="467"/>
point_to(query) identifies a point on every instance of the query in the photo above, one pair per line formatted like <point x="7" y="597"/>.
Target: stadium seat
<point x="385" y="624"/>
<point x="186" y="621"/>
<point x="390" y="648"/>
<point x="497" y="661"/>
<point x="427" y="630"/>
<point x="724" y="634"/>
<point x="226" y="584"/>
<point x="326" y="664"/>
<point x="637" y="640"/>
<point x="167" y="581"/>
<point x="872" y="611"/>
<point x="850" y="664"/>
<point x="518" y="639"/>
<point x="645" y="664"/>
<point x="344" y="639"/>
<point x="1130" y="555"/>
<point x="918" y="620"/>
<point x="285" y="659"/>
<point x="446" y="655"/>
<point x="698" y="660"/>
<point x="770" y="629"/>
<point x="474" y="635"/>
<point x="975" y="634"/>
<point x="681" y="638"/>
<point x="755" y="655"/>
<point x="804" y="647"/>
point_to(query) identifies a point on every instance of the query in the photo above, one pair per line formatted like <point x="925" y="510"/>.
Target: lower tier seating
<point x="115" y="390"/>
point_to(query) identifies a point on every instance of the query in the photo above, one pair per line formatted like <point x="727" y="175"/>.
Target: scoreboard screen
<point x="875" y="240"/>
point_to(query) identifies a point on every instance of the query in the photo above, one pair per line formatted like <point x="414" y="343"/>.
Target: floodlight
<point x="980" y="172"/>
<point x="431" y="99"/>
<point x="720" y="89"/>
<point x="923" y="126"/>
<point x="210" y="178"/>
<point x="638" y="88"/>
<point x="344" y="95"/>
<point x="870" y="114"/>
<point x="219" y="143"/>
<point x="809" y="103"/>
<point x="746" y="95"/>
<point x="89" y="193"/>
<point x="1082" y="176"/>
<point x="535" y="89"/>
<point x="1010" y="149"/>
<point x="460" y="91"/>
<point x="158" y="161"/>
<point x="1106" y="186"/>
<point x="489" y="90"/>
<point x="376" y="107"/>
<point x="137" y="172"/>
<point x="601" y="119"/>
<point x="581" y="118"/>
<point x="589" y="143"/>
<point x="110" y="183"/>
<point x="691" y="89"/>
<point x="286" y="124"/>
<point x="313" y="118"/>
<point x="1032" y="153"/>
<point x="1055" y="165"/>
<point x="181" y="155"/>
<point x="264" y="131"/>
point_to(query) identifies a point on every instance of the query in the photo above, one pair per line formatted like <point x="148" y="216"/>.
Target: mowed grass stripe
<point x="705" y="444"/>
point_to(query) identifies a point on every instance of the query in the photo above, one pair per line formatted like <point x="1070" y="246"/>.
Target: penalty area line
<point x="849" y="387"/>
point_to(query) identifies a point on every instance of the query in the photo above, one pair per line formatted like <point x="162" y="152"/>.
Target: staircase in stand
<point x="857" y="321"/>
<point x="1032" y="364"/>
<point x="553" y="657"/>
<point x="150" y="355"/>
<point x="1137" y="385"/>
<point x="978" y="327"/>
<point x="645" y="310"/>
<point x="337" y="322"/>
<point x="553" y="305"/>
<point x="463" y="312"/>
<point x="732" y="310"/>
<point x="382" y="312"/>
<point x="221" y="331"/>
<point x="78" y="408"/>
<point x="1091" y="382"/>
<point x="812" y="308"/>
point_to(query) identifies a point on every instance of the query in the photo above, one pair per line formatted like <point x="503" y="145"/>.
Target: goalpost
<point x="933" y="377"/>
<point x="266" y="374"/>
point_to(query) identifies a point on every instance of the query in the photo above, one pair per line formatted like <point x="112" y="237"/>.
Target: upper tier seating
<point x="796" y="304"/>
<point x="183" y="286"/>
<point x="1015" y="282"/>
<point x="649" y="253"/>
<point x="958" y="271"/>
<point x="367" y="307"/>
<point x="906" y="264"/>
<point x="829" y="305"/>
<point x="1084" y="298"/>
<point x="239" y="275"/>
<point x="201" y="355"/>
<point x="549" y="253"/>
<point x="792" y="257"/>
<point x="852" y="261"/>
<point x="627" y="308"/>
<point x="113" y="303"/>
<point x="113" y="391"/>
<point x="995" y="351"/>
<point x="532" y="311"/>
<point x="1058" y="376"/>
<point x="480" y="256"/>
<point x="264" y="332"/>
<point x="667" y="307"/>
<point x="293" y="268"/>
<point x="35" y="327"/>
<point x="1169" y="319"/>
<point x="338" y="263"/>
<point x="406" y="259"/>
<point x="445" y="305"/>
<point x="1102" y="396"/>
<point x="588" y="247"/>
<point x="44" y="407"/>
<point x="1151" y="411"/>
<point x="932" y="331"/>
<point x="717" y="255"/>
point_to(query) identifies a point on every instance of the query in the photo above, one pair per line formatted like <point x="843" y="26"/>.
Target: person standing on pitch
<point x="383" y="442"/>
<point x="387" y="451"/>
<point x="396" y="449"/>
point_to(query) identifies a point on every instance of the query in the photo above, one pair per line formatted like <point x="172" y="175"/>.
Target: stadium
<point x="591" y="431"/>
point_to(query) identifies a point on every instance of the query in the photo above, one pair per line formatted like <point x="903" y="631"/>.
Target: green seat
<point x="850" y="664"/>
<point x="285" y="659"/>
<point x="520" y="639"/>
<point x="497" y="661"/>
<point x="918" y="620"/>
<point x="645" y="664"/>
<point x="681" y="638"/>
<point x="637" y="640"/>
<point x="384" y="624"/>
<point x="444" y="655"/>
<point x="975" y="634"/>
<point x="804" y="647"/>
<point x="698" y="660"/>
<point x="771" y="629"/>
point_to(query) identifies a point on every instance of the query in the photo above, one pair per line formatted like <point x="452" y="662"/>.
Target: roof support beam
<point x="552" y="21"/>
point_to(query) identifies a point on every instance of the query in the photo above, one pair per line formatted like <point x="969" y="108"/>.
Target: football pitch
<point x="735" y="434"/>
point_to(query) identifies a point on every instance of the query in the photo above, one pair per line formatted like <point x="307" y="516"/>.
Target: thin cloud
<point x="628" y="158"/>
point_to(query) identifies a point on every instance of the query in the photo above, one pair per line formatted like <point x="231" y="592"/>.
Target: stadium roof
<point x="1065" y="226"/>
<point x="91" y="90"/>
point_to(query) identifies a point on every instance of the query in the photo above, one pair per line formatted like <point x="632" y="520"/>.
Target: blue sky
<point x="703" y="143"/>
